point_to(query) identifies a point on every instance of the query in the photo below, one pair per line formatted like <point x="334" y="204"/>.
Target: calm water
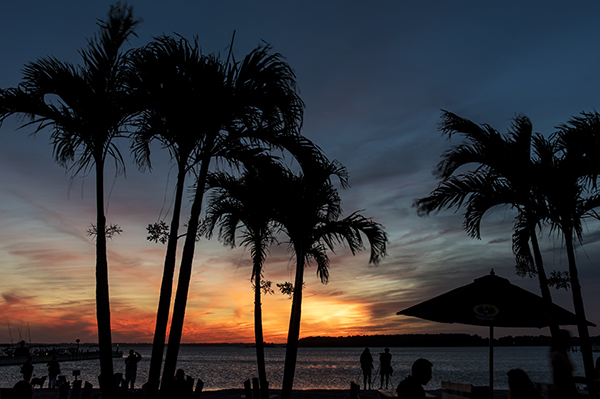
<point x="325" y="368"/>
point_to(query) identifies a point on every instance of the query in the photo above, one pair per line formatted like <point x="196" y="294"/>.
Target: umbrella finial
<point x="492" y="273"/>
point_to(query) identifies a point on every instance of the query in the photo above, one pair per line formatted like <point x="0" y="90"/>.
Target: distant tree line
<point x="428" y="340"/>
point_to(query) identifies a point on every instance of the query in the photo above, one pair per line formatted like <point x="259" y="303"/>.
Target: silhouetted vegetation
<point x="200" y="108"/>
<point x="249" y="202"/>
<point x="310" y="216"/>
<point x="501" y="175"/>
<point x="556" y="187"/>
<point x="86" y="108"/>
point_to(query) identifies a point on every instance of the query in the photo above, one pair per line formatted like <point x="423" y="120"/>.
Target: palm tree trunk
<point x="543" y="280"/>
<point x="582" y="328"/>
<point x="258" y="330"/>
<point x="185" y="274"/>
<point x="291" y="350"/>
<point x="102" y="292"/>
<point x="166" y="290"/>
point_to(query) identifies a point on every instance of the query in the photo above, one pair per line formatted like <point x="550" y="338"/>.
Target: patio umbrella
<point x="491" y="301"/>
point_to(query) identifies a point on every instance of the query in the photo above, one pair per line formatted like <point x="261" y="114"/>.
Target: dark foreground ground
<point x="275" y="394"/>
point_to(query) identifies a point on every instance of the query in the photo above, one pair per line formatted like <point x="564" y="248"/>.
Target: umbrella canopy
<point x="491" y="301"/>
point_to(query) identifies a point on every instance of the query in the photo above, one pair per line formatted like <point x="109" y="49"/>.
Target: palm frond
<point x="521" y="249"/>
<point x="495" y="193"/>
<point x="453" y="192"/>
<point x="318" y="253"/>
<point x="478" y="140"/>
<point x="265" y="81"/>
<point x="349" y="231"/>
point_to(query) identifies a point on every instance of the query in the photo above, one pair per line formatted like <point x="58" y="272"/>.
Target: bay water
<point x="323" y="368"/>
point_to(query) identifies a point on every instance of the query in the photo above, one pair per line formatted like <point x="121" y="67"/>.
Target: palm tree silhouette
<point x="309" y="213"/>
<point x="567" y="178"/>
<point x="256" y="101"/>
<point x="86" y="108"/>
<point x="178" y="86"/>
<point x="248" y="201"/>
<point x="503" y="175"/>
<point x="558" y="185"/>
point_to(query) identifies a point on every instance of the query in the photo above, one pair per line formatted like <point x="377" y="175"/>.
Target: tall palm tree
<point x="248" y="201"/>
<point x="258" y="102"/>
<point x="177" y="85"/>
<point x="86" y="108"/>
<point x="309" y="213"/>
<point x="568" y="180"/>
<point x="503" y="175"/>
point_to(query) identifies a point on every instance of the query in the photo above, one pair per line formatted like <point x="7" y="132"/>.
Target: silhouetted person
<point x="53" y="372"/>
<point x="22" y="390"/>
<point x="182" y="389"/>
<point x="562" y="368"/>
<point x="27" y="369"/>
<point x="385" y="367"/>
<point x="366" y="364"/>
<point x="412" y="386"/>
<point x="63" y="387"/>
<point x="520" y="385"/>
<point x="131" y="367"/>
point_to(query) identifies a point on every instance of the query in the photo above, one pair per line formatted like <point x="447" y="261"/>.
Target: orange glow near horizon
<point x="209" y="319"/>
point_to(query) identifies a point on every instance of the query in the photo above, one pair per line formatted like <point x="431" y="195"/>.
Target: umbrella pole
<point x="491" y="360"/>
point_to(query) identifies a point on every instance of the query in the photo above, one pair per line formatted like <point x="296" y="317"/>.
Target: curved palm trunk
<point x="166" y="290"/>
<point x="291" y="350"/>
<point x="542" y="278"/>
<point x="258" y="330"/>
<point x="183" y="285"/>
<point x="102" y="292"/>
<point x="582" y="328"/>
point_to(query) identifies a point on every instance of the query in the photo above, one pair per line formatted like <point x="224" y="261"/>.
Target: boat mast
<point x="10" y="334"/>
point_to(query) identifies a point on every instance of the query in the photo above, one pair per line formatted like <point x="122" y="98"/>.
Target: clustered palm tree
<point x="249" y="201"/>
<point x="311" y="218"/>
<point x="503" y="176"/>
<point x="556" y="186"/>
<point x="306" y="208"/>
<point x="199" y="108"/>
<point x="180" y="88"/>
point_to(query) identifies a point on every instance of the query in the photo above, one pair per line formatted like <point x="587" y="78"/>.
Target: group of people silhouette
<point x="519" y="384"/>
<point x="385" y="367"/>
<point x="410" y="387"/>
<point x="23" y="387"/>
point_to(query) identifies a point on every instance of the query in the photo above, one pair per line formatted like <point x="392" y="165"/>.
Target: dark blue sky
<point x="374" y="76"/>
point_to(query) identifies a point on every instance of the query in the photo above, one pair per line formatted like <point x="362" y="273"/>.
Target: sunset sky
<point x="374" y="76"/>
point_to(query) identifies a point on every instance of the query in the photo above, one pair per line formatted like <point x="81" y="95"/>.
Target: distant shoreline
<point x="398" y="340"/>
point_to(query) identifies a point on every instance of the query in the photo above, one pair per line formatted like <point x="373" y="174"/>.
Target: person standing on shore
<point x="412" y="386"/>
<point x="366" y="364"/>
<point x="53" y="372"/>
<point x="131" y="367"/>
<point x="385" y="367"/>
<point x="27" y="369"/>
<point x="562" y="368"/>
